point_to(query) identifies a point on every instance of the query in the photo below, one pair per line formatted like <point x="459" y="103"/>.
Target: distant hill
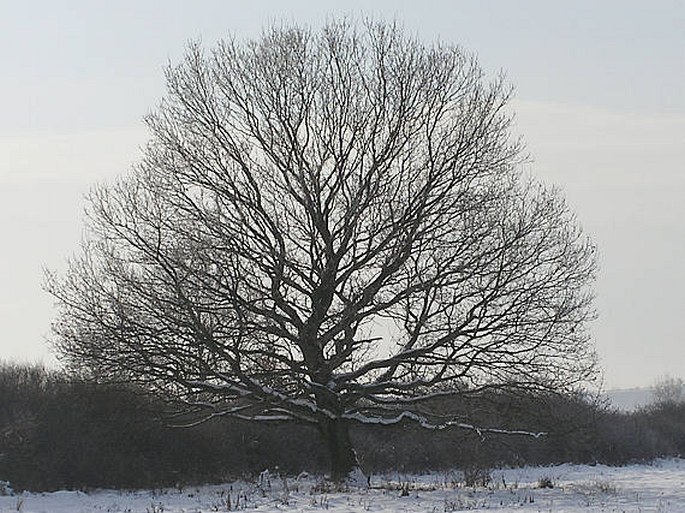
<point x="629" y="399"/>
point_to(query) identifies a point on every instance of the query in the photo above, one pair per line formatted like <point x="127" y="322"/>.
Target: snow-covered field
<point x="659" y="487"/>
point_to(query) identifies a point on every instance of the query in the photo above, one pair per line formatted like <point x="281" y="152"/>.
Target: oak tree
<point x="330" y="227"/>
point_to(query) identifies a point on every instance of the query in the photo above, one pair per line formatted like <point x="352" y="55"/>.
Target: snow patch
<point x="577" y="488"/>
<point x="357" y="479"/>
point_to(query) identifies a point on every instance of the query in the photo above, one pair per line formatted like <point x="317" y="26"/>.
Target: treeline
<point x="58" y="433"/>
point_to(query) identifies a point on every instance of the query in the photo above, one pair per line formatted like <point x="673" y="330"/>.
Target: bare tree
<point x="668" y="391"/>
<point x="329" y="227"/>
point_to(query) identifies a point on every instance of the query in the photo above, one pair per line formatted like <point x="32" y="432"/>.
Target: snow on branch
<point x="426" y="424"/>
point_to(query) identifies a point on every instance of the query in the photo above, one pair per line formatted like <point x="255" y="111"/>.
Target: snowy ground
<point x="640" y="488"/>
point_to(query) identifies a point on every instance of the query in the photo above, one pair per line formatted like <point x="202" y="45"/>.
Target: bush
<point x="56" y="433"/>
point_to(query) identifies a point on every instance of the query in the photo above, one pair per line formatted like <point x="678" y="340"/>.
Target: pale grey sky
<point x="600" y="102"/>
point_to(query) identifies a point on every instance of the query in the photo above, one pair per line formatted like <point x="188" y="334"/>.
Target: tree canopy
<point x="329" y="226"/>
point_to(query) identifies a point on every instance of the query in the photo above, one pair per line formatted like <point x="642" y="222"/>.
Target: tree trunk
<point x="343" y="460"/>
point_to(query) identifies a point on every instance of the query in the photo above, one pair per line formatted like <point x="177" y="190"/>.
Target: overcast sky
<point x="600" y="102"/>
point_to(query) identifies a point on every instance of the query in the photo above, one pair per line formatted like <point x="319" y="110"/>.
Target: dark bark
<point x="336" y="436"/>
